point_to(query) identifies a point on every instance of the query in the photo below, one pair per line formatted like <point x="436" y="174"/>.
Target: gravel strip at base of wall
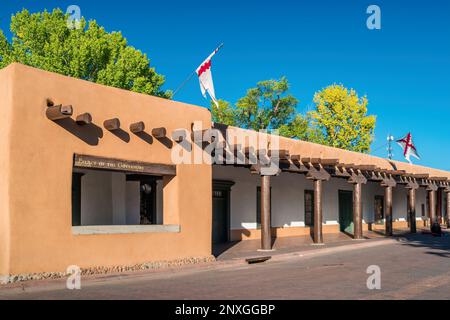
<point x="107" y="270"/>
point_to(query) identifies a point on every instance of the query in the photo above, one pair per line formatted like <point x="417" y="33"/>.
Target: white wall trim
<point x="92" y="230"/>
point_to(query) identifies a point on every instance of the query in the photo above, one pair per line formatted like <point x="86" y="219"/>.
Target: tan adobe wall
<point x="40" y="172"/>
<point x="5" y="116"/>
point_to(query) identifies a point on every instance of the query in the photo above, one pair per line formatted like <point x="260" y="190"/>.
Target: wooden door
<point x="346" y="211"/>
<point x="221" y="211"/>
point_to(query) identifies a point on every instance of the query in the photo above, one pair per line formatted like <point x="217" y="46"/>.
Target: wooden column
<point x="318" y="176"/>
<point x="266" y="232"/>
<point x="412" y="210"/>
<point x="412" y="186"/>
<point x="317" y="234"/>
<point x="447" y="191"/>
<point x="432" y="206"/>
<point x="357" y="179"/>
<point x="357" y="211"/>
<point x="388" y="209"/>
<point x="388" y="183"/>
<point x="439" y="206"/>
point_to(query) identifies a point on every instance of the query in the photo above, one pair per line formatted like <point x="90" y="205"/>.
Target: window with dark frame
<point x="142" y="198"/>
<point x="309" y="208"/>
<point x="379" y="209"/>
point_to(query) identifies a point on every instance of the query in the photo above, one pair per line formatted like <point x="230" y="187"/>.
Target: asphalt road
<point x="416" y="268"/>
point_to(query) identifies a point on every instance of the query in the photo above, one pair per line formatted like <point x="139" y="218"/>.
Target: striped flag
<point x="205" y="77"/>
<point x="408" y="148"/>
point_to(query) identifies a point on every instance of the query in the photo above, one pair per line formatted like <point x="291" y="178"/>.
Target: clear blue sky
<point x="403" y="68"/>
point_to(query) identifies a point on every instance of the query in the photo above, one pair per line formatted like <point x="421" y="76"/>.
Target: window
<point x="309" y="208"/>
<point x="102" y="198"/>
<point x="379" y="209"/>
<point x="258" y="207"/>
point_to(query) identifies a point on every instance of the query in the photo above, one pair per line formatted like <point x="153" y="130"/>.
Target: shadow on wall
<point x="122" y="135"/>
<point x="90" y="133"/>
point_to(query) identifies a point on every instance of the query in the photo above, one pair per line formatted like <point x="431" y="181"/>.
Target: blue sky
<point x="402" y="68"/>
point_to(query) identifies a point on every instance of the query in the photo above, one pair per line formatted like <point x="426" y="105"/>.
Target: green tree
<point x="298" y="128"/>
<point x="267" y="106"/>
<point x="341" y="119"/>
<point x="224" y="113"/>
<point x="43" y="40"/>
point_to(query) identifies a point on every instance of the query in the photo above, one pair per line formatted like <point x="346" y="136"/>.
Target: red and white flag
<point x="205" y="77"/>
<point x="408" y="147"/>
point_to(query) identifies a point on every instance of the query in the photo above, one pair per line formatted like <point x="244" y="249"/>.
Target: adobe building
<point x="92" y="176"/>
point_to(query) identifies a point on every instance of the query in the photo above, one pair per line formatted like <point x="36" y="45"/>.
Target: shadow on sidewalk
<point x="424" y="239"/>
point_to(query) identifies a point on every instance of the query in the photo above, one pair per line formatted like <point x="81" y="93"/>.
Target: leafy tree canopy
<point x="43" y="40"/>
<point x="341" y="119"/>
<point x="267" y="106"/>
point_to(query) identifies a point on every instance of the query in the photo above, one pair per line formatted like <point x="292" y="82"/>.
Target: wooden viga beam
<point x="237" y="153"/>
<point x="395" y="172"/>
<point x="345" y="165"/>
<point x="263" y="157"/>
<point x="297" y="165"/>
<point x="279" y="154"/>
<point x="412" y="184"/>
<point x="317" y="174"/>
<point x="402" y="180"/>
<point x="84" y="119"/>
<point x="322" y="161"/>
<point x="112" y="124"/>
<point x="59" y="112"/>
<point x="341" y="172"/>
<point x="250" y="155"/>
<point x="440" y="179"/>
<point x="179" y="135"/>
<point x="329" y="162"/>
<point x="137" y="127"/>
<point x="357" y="178"/>
<point x="375" y="176"/>
<point x="388" y="182"/>
<point x="159" y="133"/>
<point x="417" y="176"/>
<point x="366" y="167"/>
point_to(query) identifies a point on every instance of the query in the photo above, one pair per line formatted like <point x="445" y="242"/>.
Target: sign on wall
<point x="93" y="162"/>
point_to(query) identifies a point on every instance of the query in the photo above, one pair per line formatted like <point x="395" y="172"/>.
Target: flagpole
<point x="390" y="139"/>
<point x="184" y="83"/>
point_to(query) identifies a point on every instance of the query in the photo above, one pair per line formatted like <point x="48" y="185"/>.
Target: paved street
<point x="413" y="267"/>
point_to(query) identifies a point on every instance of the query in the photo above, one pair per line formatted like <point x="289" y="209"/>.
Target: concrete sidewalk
<point x="249" y="249"/>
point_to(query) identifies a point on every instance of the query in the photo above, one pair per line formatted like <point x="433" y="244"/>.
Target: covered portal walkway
<point x="292" y="188"/>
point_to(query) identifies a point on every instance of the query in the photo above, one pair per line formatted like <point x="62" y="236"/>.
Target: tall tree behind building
<point x="340" y="119"/>
<point x="269" y="105"/>
<point x="43" y="40"/>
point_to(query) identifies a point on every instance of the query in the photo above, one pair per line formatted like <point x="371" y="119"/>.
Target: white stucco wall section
<point x="108" y="199"/>
<point x="96" y="205"/>
<point x="132" y="198"/>
<point x="288" y="198"/>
